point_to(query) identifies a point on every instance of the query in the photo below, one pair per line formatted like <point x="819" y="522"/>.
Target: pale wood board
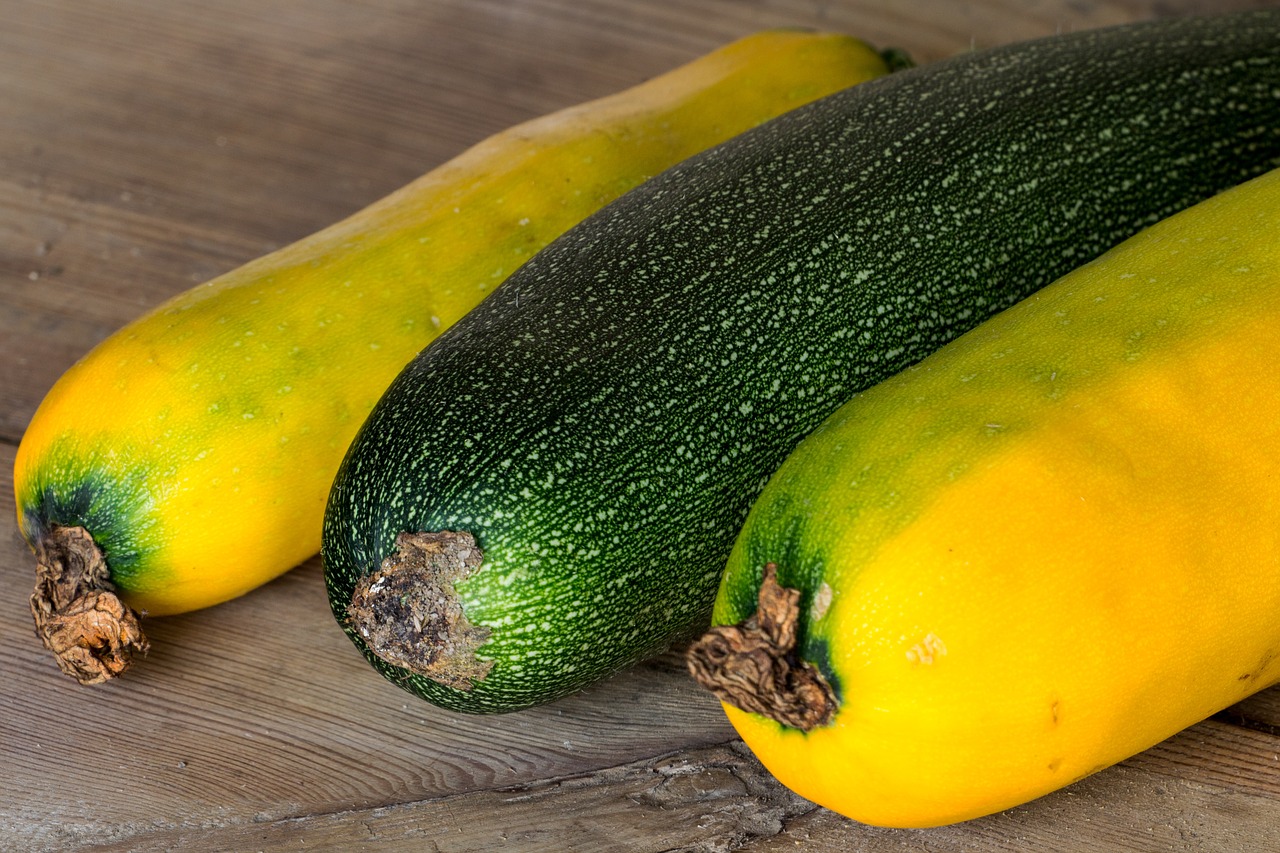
<point x="146" y="146"/>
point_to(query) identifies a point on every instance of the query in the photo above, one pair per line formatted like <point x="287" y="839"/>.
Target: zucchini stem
<point x="92" y="633"/>
<point x="409" y="615"/>
<point x="753" y="666"/>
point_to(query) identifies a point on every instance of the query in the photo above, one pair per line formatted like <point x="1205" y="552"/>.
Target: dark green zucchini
<point x="584" y="446"/>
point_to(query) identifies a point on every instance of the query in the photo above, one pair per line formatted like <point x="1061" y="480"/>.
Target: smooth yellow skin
<point x="237" y="399"/>
<point x="1076" y="551"/>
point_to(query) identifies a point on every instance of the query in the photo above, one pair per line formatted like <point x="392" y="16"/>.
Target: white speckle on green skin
<point x="625" y="427"/>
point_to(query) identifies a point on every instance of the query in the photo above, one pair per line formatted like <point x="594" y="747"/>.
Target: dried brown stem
<point x="92" y="633"/>
<point x="753" y="666"/>
<point x="409" y="615"/>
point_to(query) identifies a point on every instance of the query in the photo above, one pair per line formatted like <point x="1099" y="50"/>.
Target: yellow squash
<point x="188" y="457"/>
<point x="1045" y="548"/>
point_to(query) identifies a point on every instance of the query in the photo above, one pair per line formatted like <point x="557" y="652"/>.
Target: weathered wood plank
<point x="719" y="798"/>
<point x="711" y="798"/>
<point x="146" y="146"/>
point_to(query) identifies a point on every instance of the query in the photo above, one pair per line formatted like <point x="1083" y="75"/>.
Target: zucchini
<point x="549" y="491"/>
<point x="1045" y="548"/>
<point x="187" y="458"/>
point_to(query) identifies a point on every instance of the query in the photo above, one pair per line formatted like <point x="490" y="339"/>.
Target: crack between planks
<point x="1238" y="718"/>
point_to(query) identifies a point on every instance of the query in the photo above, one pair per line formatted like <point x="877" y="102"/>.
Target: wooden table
<point x="147" y="145"/>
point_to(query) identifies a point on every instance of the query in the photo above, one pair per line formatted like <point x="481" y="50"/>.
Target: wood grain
<point x="146" y="146"/>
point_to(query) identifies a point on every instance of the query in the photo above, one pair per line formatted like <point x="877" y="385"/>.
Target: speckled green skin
<point x="604" y="420"/>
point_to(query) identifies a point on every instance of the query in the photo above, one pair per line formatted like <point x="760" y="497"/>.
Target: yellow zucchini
<point x="187" y="458"/>
<point x="1043" y="549"/>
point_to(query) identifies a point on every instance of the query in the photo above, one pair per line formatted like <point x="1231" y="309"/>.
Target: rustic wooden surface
<point x="147" y="145"/>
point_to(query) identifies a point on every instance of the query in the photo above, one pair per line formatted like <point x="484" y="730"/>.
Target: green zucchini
<point x="548" y="493"/>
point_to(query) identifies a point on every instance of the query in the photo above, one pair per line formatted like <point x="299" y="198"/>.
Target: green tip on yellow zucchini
<point x="187" y="458"/>
<point x="1043" y="549"/>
